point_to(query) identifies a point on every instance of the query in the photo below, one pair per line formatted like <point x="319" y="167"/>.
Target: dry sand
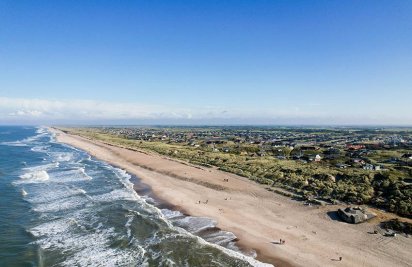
<point x="257" y="217"/>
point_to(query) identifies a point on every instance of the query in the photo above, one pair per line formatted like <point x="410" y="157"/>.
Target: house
<point x="354" y="147"/>
<point x="305" y="148"/>
<point x="332" y="151"/>
<point x="368" y="167"/>
<point x="358" y="161"/>
<point x="342" y="165"/>
<point x="407" y="156"/>
<point x="393" y="160"/>
<point x="371" y="167"/>
<point x="318" y="158"/>
<point x="377" y="167"/>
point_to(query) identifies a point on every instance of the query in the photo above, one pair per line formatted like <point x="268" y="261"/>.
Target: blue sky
<point x="213" y="62"/>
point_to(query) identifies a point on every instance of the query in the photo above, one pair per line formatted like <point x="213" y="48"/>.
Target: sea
<point x="59" y="206"/>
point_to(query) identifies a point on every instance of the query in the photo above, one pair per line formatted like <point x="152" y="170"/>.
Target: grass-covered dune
<point x="383" y="189"/>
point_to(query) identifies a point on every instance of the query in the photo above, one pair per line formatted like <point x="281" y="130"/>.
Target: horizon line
<point x="213" y="125"/>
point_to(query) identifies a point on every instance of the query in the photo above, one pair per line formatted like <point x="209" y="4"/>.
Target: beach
<point x="258" y="218"/>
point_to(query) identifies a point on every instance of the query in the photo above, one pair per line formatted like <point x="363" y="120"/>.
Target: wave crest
<point x="36" y="176"/>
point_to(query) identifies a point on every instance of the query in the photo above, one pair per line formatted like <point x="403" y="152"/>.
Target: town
<point x="370" y="149"/>
<point x="330" y="164"/>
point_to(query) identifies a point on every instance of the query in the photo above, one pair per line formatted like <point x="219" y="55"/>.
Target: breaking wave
<point x="87" y="213"/>
<point x="35" y="176"/>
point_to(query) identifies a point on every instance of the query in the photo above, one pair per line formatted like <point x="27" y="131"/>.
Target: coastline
<point x="257" y="217"/>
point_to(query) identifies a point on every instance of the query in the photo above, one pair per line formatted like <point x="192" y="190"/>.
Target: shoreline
<point x="257" y="217"/>
<point x="143" y="189"/>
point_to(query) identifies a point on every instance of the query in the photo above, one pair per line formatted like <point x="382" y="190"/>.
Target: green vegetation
<point x="310" y="180"/>
<point x="398" y="226"/>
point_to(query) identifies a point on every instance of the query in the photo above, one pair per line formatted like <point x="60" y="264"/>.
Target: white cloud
<point x="92" y="110"/>
<point x="29" y="113"/>
<point x="26" y="110"/>
<point x="82" y="109"/>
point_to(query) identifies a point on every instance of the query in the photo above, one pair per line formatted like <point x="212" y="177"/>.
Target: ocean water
<point x="61" y="207"/>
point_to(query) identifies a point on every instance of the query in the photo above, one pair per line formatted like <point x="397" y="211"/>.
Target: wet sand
<point x="259" y="218"/>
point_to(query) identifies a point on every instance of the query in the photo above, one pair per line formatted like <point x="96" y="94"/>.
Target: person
<point x="340" y="258"/>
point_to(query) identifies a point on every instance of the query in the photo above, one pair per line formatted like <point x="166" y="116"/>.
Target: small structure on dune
<point x="355" y="214"/>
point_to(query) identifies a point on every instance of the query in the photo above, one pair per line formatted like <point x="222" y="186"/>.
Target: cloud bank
<point x="45" y="111"/>
<point x="79" y="109"/>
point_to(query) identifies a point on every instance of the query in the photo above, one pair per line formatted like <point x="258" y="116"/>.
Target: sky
<point x="206" y="62"/>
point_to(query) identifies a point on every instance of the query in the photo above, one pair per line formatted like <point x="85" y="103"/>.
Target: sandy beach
<point x="259" y="218"/>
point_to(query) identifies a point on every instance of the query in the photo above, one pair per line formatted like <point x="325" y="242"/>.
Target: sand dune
<point x="257" y="217"/>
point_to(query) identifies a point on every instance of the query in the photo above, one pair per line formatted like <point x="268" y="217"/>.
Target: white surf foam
<point x="35" y="176"/>
<point x="41" y="130"/>
<point x="42" y="149"/>
<point x="53" y="193"/>
<point x="196" y="224"/>
<point x="85" y="245"/>
<point x="14" y="143"/>
<point x="52" y="228"/>
<point x="90" y="245"/>
<point x="227" y="251"/>
<point x="172" y="214"/>
<point x="32" y="139"/>
<point x="117" y="194"/>
<point x="23" y="192"/>
<point x="71" y="175"/>
<point x="44" y="167"/>
<point x="84" y="174"/>
<point x="222" y="238"/>
<point x="64" y="156"/>
<point x="128" y="224"/>
<point x="71" y="203"/>
<point x="80" y="191"/>
<point x="27" y="141"/>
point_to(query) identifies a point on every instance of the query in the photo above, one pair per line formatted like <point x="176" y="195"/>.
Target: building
<point x="354" y="147"/>
<point x="370" y="167"/>
<point x="341" y="166"/>
<point x="358" y="161"/>
<point x="355" y="215"/>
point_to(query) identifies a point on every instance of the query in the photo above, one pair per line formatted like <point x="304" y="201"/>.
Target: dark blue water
<point x="61" y="207"/>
